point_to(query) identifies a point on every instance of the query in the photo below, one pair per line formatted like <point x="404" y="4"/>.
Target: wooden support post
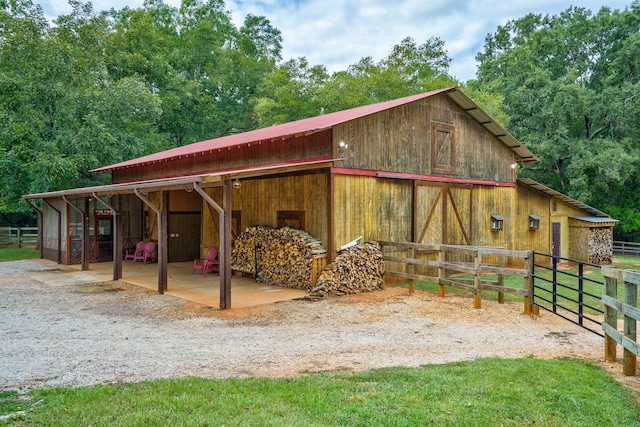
<point x="501" y="279"/>
<point x="477" y="282"/>
<point x="225" y="262"/>
<point x="162" y="213"/>
<point x="163" y="243"/>
<point x="528" y="284"/>
<point x="224" y="253"/>
<point x="628" y="357"/>
<point x="611" y="319"/>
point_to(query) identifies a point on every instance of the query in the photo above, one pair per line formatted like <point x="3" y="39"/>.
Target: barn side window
<point x="496" y="222"/>
<point x="534" y="222"/>
<point x="443" y="150"/>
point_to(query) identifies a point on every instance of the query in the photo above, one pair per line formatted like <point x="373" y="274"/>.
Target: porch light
<point x="237" y="184"/>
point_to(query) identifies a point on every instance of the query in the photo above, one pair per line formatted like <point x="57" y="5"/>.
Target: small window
<point x="534" y="222"/>
<point x="496" y="222"/>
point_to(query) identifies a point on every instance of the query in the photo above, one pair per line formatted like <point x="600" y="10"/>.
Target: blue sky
<point x="337" y="33"/>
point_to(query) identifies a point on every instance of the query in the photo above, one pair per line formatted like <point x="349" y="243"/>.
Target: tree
<point x="297" y="90"/>
<point x="570" y="85"/>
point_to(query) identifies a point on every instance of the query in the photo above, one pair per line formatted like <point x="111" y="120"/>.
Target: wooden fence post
<point x="477" y="296"/>
<point x="412" y="285"/>
<point x="611" y="319"/>
<point x="441" y="272"/>
<point x="501" y="279"/>
<point x="528" y="284"/>
<point x="630" y="298"/>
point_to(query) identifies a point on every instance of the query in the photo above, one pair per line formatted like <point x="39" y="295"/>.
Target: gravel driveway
<point x="114" y="332"/>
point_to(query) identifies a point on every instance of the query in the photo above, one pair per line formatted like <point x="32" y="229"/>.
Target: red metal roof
<point x="271" y="133"/>
<point x="319" y="123"/>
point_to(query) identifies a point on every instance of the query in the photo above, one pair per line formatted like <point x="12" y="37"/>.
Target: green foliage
<point x="570" y="85"/>
<point x="519" y="392"/>
<point x="297" y="90"/>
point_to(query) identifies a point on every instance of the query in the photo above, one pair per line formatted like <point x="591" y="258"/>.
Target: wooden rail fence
<point x="626" y="248"/>
<point x="449" y="265"/>
<point x="629" y="308"/>
<point x="18" y="236"/>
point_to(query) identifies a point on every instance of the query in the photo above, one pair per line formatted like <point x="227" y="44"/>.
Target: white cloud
<point x="337" y="33"/>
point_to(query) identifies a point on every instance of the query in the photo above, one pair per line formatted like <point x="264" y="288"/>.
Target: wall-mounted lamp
<point x="343" y="145"/>
<point x="237" y="184"/>
<point x="514" y="165"/>
<point x="496" y="222"/>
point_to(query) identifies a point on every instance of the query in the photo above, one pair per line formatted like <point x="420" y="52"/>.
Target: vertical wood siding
<point x="400" y="140"/>
<point x="375" y="208"/>
<point x="259" y="200"/>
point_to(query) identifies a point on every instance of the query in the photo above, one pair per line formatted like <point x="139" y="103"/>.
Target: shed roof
<point x="563" y="197"/>
<point x="319" y="123"/>
<point x="595" y="220"/>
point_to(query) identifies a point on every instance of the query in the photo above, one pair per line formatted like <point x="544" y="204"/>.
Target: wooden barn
<point x="432" y="168"/>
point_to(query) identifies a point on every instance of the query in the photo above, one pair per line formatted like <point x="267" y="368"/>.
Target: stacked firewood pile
<point x="600" y="246"/>
<point x="356" y="269"/>
<point x="283" y="257"/>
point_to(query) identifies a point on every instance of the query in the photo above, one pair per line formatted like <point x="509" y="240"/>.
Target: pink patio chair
<point x="132" y="253"/>
<point x="210" y="263"/>
<point x="146" y="253"/>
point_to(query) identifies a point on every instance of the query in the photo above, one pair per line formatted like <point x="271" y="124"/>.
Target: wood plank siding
<point x="303" y="147"/>
<point x="401" y="140"/>
<point x="374" y="208"/>
<point x="258" y="201"/>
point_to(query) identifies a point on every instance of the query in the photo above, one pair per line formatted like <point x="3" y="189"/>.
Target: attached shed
<point x="432" y="168"/>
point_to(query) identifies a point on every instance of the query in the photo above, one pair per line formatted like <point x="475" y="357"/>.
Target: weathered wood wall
<point x="375" y="208"/>
<point x="258" y="201"/>
<point x="400" y="140"/>
<point x="304" y="147"/>
<point x="561" y="215"/>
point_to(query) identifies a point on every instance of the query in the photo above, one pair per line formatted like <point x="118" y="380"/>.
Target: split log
<point x="357" y="269"/>
<point x="282" y="257"/>
<point x="600" y="245"/>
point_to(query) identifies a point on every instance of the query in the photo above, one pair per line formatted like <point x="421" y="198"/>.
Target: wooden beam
<point x="161" y="213"/>
<point x="225" y="247"/>
<point x="225" y="235"/>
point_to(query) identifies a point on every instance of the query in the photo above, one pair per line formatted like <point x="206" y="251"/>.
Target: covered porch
<point x="184" y="284"/>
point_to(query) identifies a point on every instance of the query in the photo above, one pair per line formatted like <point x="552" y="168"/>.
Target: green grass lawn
<point x="13" y="254"/>
<point x="484" y="392"/>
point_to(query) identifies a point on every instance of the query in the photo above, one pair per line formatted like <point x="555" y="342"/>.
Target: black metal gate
<point x="561" y="286"/>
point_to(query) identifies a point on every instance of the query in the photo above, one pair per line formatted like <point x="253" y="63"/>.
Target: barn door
<point x="442" y="214"/>
<point x="184" y="236"/>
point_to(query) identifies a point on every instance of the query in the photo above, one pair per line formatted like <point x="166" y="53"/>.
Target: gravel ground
<point x="114" y="332"/>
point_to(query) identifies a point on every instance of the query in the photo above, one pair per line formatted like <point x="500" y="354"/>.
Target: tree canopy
<point x="570" y="85"/>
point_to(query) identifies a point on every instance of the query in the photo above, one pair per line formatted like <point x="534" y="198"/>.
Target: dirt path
<point x="90" y="334"/>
